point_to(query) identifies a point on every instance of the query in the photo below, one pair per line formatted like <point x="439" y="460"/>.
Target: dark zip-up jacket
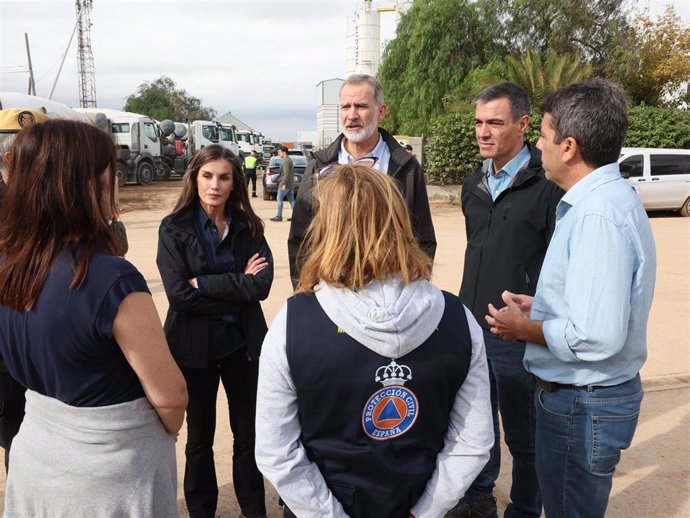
<point x="402" y="167"/>
<point x="506" y="238"/>
<point x="180" y="258"/>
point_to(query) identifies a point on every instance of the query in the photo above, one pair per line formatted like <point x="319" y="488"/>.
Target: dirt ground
<point x="653" y="478"/>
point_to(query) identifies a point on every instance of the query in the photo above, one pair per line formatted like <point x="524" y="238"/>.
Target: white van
<point x="661" y="177"/>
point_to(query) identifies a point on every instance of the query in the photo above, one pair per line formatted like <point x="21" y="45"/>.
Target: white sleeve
<point x="468" y="440"/>
<point x="280" y="455"/>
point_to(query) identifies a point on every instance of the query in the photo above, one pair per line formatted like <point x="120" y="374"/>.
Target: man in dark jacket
<point x="509" y="209"/>
<point x="361" y="111"/>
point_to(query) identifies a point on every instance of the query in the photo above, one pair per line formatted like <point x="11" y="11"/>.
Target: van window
<point x="632" y="166"/>
<point x="669" y="164"/>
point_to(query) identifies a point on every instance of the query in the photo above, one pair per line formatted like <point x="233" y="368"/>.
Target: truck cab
<point x="245" y="139"/>
<point x="228" y="138"/>
<point x="139" y="142"/>
<point x="257" y="142"/>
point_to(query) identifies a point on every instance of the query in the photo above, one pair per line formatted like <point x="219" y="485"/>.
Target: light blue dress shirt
<point x="381" y="152"/>
<point x="504" y="178"/>
<point x="596" y="285"/>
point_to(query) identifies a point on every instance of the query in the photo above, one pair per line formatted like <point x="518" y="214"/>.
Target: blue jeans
<point x="512" y="392"/>
<point x="289" y="194"/>
<point x="580" y="435"/>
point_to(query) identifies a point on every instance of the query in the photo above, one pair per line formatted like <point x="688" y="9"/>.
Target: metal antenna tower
<point x="85" y="66"/>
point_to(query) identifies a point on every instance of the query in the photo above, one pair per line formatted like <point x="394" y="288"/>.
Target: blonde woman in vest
<point x="373" y="392"/>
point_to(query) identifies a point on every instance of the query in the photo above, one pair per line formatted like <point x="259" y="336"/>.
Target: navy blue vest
<point x="373" y="425"/>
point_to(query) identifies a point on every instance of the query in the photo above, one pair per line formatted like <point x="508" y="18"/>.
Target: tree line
<point x="446" y="51"/>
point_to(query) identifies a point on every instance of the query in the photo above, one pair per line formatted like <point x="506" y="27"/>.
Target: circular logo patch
<point x="25" y="119"/>
<point x="389" y="412"/>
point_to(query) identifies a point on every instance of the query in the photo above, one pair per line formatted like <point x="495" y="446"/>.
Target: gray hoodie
<point x="391" y="319"/>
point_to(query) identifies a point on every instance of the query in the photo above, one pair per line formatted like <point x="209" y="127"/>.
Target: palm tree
<point x="543" y="78"/>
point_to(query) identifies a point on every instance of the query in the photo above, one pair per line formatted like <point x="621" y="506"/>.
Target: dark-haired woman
<point x="216" y="268"/>
<point x="79" y="329"/>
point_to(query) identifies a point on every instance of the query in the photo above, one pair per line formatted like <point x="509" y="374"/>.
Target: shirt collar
<point x="205" y="222"/>
<point x="585" y="185"/>
<point x="513" y="167"/>
<point x="345" y="158"/>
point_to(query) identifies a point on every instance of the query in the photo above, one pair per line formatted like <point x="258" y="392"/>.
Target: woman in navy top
<point x="216" y="267"/>
<point x="79" y="329"/>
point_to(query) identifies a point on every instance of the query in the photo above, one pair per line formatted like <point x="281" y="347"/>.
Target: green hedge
<point x="658" y="127"/>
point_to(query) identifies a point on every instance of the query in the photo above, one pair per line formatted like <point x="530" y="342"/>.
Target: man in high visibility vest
<point x="250" y="164"/>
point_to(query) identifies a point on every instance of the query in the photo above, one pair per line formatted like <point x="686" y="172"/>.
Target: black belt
<point x="550" y="386"/>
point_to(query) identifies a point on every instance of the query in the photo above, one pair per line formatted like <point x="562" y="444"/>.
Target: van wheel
<point x="685" y="209"/>
<point x="145" y="173"/>
<point x="121" y="172"/>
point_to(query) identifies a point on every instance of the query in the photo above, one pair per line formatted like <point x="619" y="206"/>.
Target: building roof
<point x="229" y="118"/>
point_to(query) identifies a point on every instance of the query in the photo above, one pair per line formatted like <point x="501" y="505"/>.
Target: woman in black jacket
<point x="216" y="266"/>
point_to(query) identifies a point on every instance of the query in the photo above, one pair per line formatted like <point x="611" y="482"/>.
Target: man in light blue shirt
<point x="586" y="326"/>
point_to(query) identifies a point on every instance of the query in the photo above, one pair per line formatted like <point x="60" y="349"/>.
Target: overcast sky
<point x="260" y="59"/>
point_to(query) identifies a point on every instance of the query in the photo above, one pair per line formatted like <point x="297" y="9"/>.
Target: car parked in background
<point x="272" y="173"/>
<point x="661" y="177"/>
<point x="298" y="152"/>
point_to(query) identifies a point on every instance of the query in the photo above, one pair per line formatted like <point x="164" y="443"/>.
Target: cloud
<point x="259" y="59"/>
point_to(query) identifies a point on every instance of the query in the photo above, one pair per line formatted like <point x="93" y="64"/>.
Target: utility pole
<point x="32" y="83"/>
<point x="85" y="65"/>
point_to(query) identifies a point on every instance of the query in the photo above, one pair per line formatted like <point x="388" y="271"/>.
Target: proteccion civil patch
<point x="391" y="411"/>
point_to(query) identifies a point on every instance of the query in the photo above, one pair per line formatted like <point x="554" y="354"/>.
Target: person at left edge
<point x="11" y="393"/>
<point x="79" y="329"/>
<point x="216" y="266"/>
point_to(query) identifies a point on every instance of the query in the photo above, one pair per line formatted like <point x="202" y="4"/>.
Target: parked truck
<point x="203" y="133"/>
<point x="250" y="141"/>
<point x="189" y="137"/>
<point x="144" y="152"/>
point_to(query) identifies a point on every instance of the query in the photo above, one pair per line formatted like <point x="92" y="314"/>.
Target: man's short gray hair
<point x="356" y="79"/>
<point x="6" y="141"/>
<point x="594" y="114"/>
<point x="516" y="95"/>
